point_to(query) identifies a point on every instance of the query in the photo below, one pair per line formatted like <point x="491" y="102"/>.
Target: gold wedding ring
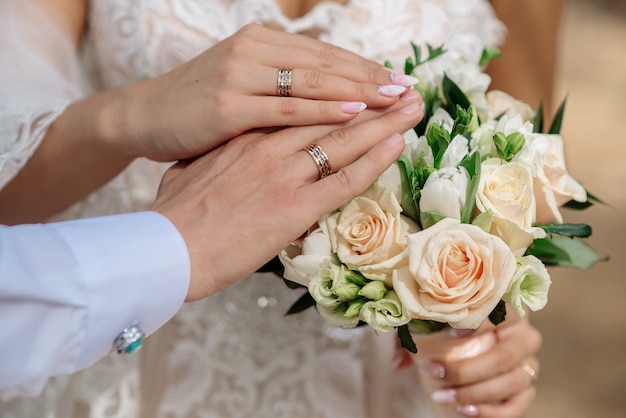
<point x="531" y="372"/>
<point x="284" y="82"/>
<point x="321" y="160"/>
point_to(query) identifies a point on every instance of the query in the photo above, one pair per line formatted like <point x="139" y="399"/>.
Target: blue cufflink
<point x="129" y="340"/>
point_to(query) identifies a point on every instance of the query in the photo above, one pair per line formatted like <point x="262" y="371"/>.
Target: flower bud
<point x="374" y="290"/>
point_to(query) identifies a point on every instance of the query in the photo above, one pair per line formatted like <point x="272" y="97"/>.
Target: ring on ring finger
<point x="321" y="160"/>
<point x="283" y="82"/>
<point x="531" y="372"/>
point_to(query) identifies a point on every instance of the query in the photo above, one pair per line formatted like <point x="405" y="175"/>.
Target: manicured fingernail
<point x="460" y="332"/>
<point x="411" y="109"/>
<point x="444" y="396"/>
<point x="468" y="410"/>
<point x="402" y="79"/>
<point x="352" y="107"/>
<point x="434" y="369"/>
<point x="390" y="90"/>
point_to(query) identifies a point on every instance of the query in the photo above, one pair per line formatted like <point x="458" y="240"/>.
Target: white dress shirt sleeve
<point x="68" y="289"/>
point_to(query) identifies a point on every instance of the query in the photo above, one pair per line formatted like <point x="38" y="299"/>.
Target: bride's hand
<point x="239" y="205"/>
<point x="486" y="373"/>
<point x="232" y="88"/>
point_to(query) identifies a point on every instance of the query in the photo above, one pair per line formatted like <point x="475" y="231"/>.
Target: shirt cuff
<point x="136" y="269"/>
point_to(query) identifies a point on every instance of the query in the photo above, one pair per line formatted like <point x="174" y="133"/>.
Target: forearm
<point x="527" y="67"/>
<point x="65" y="296"/>
<point x="82" y="150"/>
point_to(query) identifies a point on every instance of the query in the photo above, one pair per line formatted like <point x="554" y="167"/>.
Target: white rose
<point x="472" y="81"/>
<point x="441" y="118"/>
<point x="529" y="286"/>
<point x="385" y="314"/>
<point x="414" y="148"/>
<point x="502" y="103"/>
<point x="445" y="192"/>
<point x="482" y="139"/>
<point x="553" y="185"/>
<point x="456" y="151"/>
<point x="507" y="190"/>
<point x="302" y="262"/>
<point x="370" y="235"/>
<point x="516" y="238"/>
<point x="457" y="274"/>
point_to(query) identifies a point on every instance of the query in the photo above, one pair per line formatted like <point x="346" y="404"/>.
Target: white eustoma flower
<point x="529" y="286"/>
<point x="385" y="314"/>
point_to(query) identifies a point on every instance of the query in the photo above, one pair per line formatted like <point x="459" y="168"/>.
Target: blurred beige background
<point x="583" y="359"/>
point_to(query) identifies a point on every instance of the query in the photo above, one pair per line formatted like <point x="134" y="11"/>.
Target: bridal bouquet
<point x="465" y="221"/>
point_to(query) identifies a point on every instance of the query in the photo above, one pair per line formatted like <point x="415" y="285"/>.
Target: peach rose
<point x="457" y="274"/>
<point x="370" y="235"/>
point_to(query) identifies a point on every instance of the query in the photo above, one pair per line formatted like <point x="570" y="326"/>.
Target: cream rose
<point x="370" y="235"/>
<point x="506" y="189"/>
<point x="457" y="274"/>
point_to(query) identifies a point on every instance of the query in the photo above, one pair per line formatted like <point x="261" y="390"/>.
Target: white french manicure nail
<point x="390" y="90"/>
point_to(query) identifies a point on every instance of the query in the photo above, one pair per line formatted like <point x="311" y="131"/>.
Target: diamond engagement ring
<point x="321" y="160"/>
<point x="284" y="82"/>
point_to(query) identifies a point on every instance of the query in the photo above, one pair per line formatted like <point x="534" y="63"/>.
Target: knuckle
<point x="372" y="76"/>
<point x="287" y="106"/>
<point x="341" y="137"/>
<point x="241" y="46"/>
<point x="222" y="103"/>
<point x="312" y="79"/>
<point x="249" y="29"/>
<point x="346" y="180"/>
<point x="327" y="55"/>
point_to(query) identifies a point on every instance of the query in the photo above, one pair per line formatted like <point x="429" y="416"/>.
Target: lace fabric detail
<point x="235" y="354"/>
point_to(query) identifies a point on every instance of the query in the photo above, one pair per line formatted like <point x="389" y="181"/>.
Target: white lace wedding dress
<point x="235" y="354"/>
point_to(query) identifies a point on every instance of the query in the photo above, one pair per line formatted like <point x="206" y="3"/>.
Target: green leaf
<point x="428" y="219"/>
<point x="558" y="250"/>
<point x="573" y="204"/>
<point x="568" y="230"/>
<point x="555" y="128"/>
<point x="454" y="96"/>
<point x="408" y="203"/>
<point x="472" y="165"/>
<point x="498" y="314"/>
<point x="538" y="122"/>
<point x="591" y="200"/>
<point x="303" y="303"/>
<point x="424" y="326"/>
<point x="489" y="54"/>
<point x="405" y="338"/>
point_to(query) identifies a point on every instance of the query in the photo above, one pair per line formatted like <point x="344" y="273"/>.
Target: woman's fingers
<point x="514" y="407"/>
<point x="345" y="145"/>
<point x="278" y="38"/>
<point x="500" y="388"/>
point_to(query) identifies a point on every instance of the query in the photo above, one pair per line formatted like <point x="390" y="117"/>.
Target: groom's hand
<point x="239" y="205"/>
